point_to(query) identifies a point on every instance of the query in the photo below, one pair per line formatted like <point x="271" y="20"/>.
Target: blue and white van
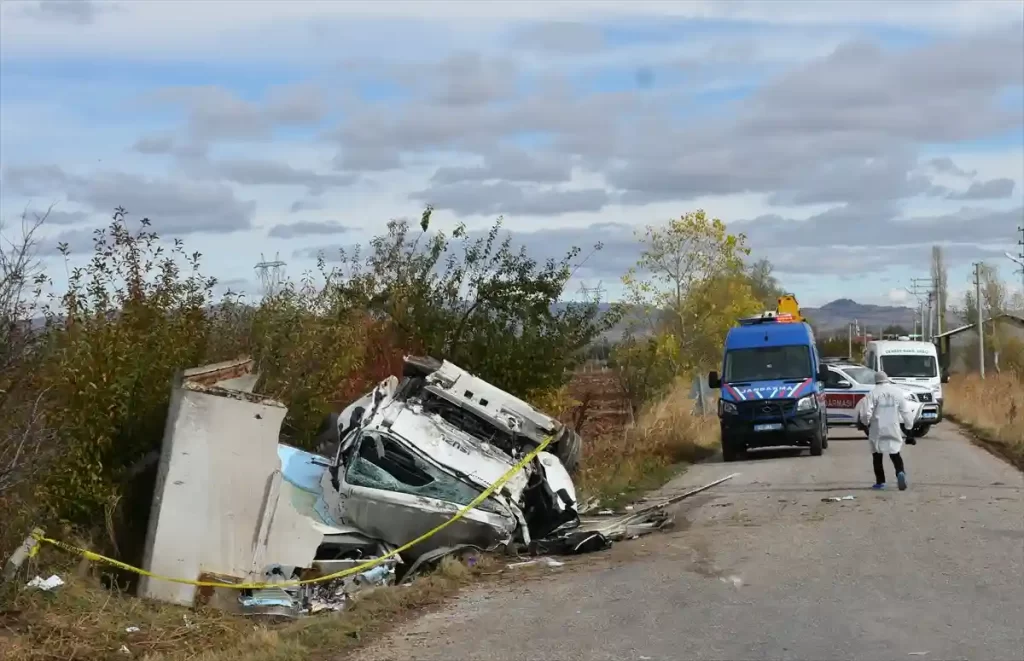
<point x="772" y="388"/>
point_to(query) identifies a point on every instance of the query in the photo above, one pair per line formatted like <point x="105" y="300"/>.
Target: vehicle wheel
<point x="817" y="444"/>
<point x="569" y="449"/>
<point x="824" y="436"/>
<point x="731" y="450"/>
<point x="922" y="431"/>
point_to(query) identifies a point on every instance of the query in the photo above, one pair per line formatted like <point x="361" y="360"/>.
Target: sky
<point x="843" y="139"/>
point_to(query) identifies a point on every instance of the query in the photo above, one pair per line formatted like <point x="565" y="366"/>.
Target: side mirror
<point x="357" y="417"/>
<point x="823" y="374"/>
<point x="844" y="384"/>
<point x="945" y="377"/>
<point x="713" y="380"/>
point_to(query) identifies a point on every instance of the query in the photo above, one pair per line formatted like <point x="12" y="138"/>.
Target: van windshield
<point x="909" y="366"/>
<point x="768" y="364"/>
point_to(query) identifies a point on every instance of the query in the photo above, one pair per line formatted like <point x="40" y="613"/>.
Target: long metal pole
<point x="849" y="340"/>
<point x="981" y="326"/>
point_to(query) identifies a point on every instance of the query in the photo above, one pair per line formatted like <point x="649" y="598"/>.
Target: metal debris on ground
<point x="46" y="585"/>
<point x="836" y="499"/>
<point x="549" y="562"/>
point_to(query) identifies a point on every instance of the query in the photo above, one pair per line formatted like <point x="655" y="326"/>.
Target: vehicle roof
<point x="906" y="344"/>
<point x="768" y="334"/>
<point x="846" y="365"/>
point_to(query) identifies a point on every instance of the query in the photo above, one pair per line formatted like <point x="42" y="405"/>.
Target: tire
<point x="923" y="431"/>
<point x="817" y="444"/>
<point x="824" y="438"/>
<point x="731" y="450"/>
<point x="569" y="450"/>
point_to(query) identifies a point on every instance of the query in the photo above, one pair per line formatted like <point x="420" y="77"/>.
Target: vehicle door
<point x="840" y="398"/>
<point x="391" y="493"/>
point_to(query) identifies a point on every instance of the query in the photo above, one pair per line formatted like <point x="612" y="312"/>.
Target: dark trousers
<point x="897" y="463"/>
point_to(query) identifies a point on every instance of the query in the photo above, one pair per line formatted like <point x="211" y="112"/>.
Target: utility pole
<point x="1018" y="259"/>
<point x="849" y="340"/>
<point x="928" y="332"/>
<point x="980" y="322"/>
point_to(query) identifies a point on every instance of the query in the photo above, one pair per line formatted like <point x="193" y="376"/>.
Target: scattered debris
<point x="736" y="581"/>
<point x="917" y="653"/>
<point x="550" y="562"/>
<point x="22" y="553"/>
<point x="131" y="630"/>
<point x="124" y="650"/>
<point x="836" y="499"/>
<point x="394" y="466"/>
<point x="49" y="584"/>
<point x="963" y="497"/>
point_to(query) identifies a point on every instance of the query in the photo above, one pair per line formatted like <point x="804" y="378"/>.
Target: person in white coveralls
<point x="885" y="410"/>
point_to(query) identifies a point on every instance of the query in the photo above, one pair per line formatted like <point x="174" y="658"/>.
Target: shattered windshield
<point x="768" y="363"/>
<point x="909" y="365"/>
<point x="382" y="463"/>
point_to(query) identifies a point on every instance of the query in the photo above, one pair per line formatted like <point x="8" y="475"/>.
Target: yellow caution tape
<point x="370" y="564"/>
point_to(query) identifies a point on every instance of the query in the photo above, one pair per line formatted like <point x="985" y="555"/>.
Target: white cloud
<point x="898" y="296"/>
<point x="799" y="149"/>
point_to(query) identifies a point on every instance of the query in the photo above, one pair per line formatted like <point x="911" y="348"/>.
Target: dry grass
<point x="667" y="436"/>
<point x="993" y="408"/>
<point x="83" y="621"/>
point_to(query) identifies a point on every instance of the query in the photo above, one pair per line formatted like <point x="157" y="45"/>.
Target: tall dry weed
<point x="993" y="408"/>
<point x="667" y="433"/>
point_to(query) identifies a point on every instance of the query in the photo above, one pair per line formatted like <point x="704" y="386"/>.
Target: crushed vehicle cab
<point x="409" y="454"/>
<point x="772" y="390"/>
<point x="847" y="384"/>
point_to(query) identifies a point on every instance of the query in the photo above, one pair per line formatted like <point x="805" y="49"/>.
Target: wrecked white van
<point x="402" y="468"/>
<point x="472" y="405"/>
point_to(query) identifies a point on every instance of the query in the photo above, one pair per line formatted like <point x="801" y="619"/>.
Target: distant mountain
<point x="832" y="316"/>
<point x="871" y="318"/>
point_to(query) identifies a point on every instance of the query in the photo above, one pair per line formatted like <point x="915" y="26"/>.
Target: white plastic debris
<point x="131" y="630"/>
<point x="736" y="581"/>
<point x="836" y="499"/>
<point x="550" y="562"/>
<point x="49" y="584"/>
<point x="124" y="650"/>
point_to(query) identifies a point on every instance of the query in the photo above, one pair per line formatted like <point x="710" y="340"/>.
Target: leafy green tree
<point x="694" y="284"/>
<point x="477" y="302"/>
<point x="764" y="285"/>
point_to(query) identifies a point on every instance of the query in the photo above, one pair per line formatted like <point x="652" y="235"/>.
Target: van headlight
<point x="726" y="407"/>
<point x="808" y="403"/>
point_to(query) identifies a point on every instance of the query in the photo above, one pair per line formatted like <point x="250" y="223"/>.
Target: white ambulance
<point x="908" y="362"/>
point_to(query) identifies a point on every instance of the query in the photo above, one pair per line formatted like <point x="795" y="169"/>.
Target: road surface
<point x="761" y="568"/>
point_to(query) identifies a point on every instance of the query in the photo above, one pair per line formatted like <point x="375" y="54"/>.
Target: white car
<point x="847" y="385"/>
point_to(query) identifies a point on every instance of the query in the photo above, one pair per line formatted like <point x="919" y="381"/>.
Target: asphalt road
<point x="761" y="568"/>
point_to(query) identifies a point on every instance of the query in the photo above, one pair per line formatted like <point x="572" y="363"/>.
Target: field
<point x="993" y="409"/>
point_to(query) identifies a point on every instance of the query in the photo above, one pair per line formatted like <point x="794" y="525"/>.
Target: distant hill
<point x="832" y="316"/>
<point x="872" y="318"/>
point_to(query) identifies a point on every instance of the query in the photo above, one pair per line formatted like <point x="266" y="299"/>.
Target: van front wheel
<point x="731" y="450"/>
<point x="817" y="444"/>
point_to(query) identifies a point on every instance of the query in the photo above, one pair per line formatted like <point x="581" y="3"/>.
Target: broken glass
<point x="382" y="463"/>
